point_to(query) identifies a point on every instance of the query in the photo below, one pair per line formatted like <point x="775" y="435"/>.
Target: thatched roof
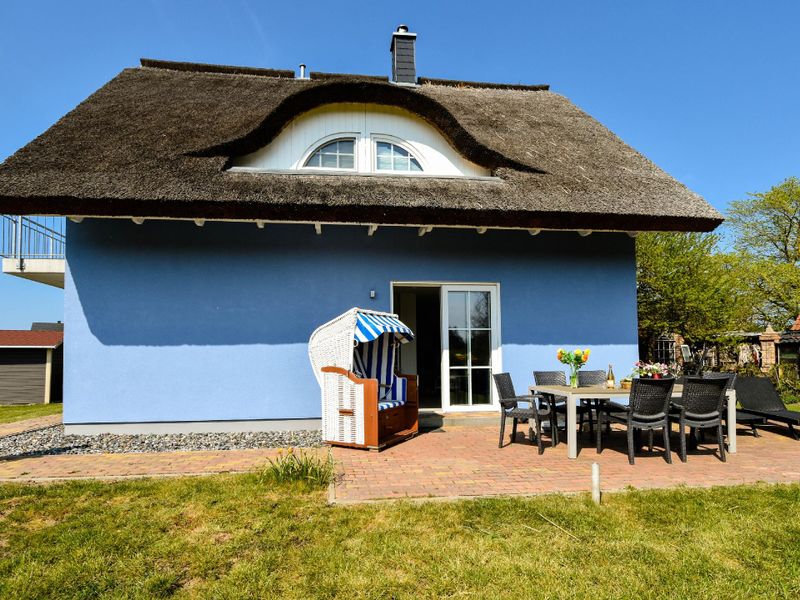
<point x="156" y="140"/>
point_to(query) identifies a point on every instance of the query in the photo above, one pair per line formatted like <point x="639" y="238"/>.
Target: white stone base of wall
<point x="192" y="427"/>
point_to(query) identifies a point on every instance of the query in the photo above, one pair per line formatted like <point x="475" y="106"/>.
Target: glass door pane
<point x="471" y="341"/>
<point x="459" y="387"/>
<point x="481" y="386"/>
<point x="457" y="310"/>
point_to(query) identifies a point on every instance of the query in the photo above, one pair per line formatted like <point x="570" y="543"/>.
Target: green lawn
<point x="234" y="536"/>
<point x="9" y="414"/>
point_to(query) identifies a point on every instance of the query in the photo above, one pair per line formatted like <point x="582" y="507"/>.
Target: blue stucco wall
<point x="167" y="321"/>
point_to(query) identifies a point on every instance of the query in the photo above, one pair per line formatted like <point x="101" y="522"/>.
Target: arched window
<point x="338" y="154"/>
<point x="391" y="157"/>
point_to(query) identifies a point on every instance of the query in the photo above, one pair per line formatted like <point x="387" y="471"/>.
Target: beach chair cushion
<point x="386" y="404"/>
<point x="396" y="395"/>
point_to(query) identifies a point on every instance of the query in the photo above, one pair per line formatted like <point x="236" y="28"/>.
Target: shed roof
<point x="791" y="335"/>
<point x="155" y="142"/>
<point x="45" y="326"/>
<point x="16" y="338"/>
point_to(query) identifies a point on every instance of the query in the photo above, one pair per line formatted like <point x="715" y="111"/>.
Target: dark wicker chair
<point x="759" y="398"/>
<point x="587" y="379"/>
<point x="729" y="377"/>
<point x="648" y="409"/>
<point x="510" y="408"/>
<point x="700" y="407"/>
<point x="558" y="403"/>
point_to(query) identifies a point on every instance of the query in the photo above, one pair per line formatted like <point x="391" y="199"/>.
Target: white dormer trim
<point x="367" y="124"/>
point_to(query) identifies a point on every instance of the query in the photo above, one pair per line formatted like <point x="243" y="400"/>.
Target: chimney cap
<point x="401" y="32"/>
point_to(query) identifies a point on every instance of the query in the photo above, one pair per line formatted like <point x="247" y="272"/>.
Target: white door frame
<point x="497" y="354"/>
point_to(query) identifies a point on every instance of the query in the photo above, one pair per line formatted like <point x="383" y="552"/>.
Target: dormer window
<point x="360" y="139"/>
<point x="338" y="154"/>
<point x="391" y="157"/>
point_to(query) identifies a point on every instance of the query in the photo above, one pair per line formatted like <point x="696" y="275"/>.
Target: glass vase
<point x="573" y="376"/>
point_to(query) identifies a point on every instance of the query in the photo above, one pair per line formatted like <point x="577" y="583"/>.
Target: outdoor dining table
<point x="602" y="393"/>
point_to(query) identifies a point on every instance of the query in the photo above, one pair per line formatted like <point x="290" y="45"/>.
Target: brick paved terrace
<point x="28" y="424"/>
<point x="460" y="461"/>
<point x="119" y="466"/>
<point x="465" y="461"/>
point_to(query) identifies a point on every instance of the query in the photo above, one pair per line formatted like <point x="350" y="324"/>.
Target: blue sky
<point x="709" y="90"/>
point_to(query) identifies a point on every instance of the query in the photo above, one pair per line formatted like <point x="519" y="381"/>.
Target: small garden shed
<point x="789" y="347"/>
<point x="31" y="366"/>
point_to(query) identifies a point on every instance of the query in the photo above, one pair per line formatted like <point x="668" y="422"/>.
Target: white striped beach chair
<point x="365" y="403"/>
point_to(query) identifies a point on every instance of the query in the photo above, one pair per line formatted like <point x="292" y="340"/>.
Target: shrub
<point x="786" y="380"/>
<point x="299" y="467"/>
<point x="749" y="370"/>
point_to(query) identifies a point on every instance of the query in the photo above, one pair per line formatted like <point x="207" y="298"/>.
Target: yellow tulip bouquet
<point x="575" y="359"/>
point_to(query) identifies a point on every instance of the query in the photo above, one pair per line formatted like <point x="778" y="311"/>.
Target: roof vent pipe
<point x="302" y="70"/>
<point x="404" y="64"/>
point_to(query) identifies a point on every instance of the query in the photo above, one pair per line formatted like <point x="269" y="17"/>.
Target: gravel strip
<point x="52" y="440"/>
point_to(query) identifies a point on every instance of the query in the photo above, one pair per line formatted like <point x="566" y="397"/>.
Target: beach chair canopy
<point x="371" y="325"/>
<point x="360" y="336"/>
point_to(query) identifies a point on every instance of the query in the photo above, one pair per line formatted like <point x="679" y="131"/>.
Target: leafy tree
<point x="685" y="286"/>
<point x="767" y="230"/>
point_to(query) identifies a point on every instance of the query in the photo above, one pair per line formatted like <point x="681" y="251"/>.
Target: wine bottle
<point x="610" y="382"/>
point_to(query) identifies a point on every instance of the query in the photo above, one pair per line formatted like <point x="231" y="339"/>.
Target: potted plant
<point x="575" y="359"/>
<point x="651" y="370"/>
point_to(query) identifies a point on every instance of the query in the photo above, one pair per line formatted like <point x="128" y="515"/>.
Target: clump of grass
<point x="299" y="467"/>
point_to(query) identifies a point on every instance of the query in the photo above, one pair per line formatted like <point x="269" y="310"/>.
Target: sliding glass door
<point x="470" y="346"/>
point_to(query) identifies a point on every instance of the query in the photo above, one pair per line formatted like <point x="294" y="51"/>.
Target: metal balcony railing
<point x="31" y="237"/>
